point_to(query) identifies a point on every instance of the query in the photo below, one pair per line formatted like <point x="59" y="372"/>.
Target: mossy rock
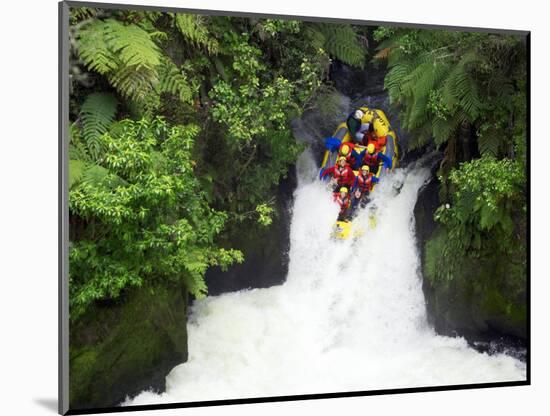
<point x="120" y="349"/>
<point x="482" y="297"/>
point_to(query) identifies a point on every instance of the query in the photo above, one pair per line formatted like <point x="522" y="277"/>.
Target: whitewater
<point x="350" y="316"/>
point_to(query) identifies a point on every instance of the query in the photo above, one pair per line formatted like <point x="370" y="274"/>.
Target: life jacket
<point x="378" y="142"/>
<point x="350" y="157"/>
<point x="364" y="184"/>
<point x="344" y="203"/>
<point x="343" y="175"/>
<point x="368" y="137"/>
<point x="372" y="160"/>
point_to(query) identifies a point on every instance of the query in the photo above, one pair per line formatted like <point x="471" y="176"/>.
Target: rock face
<point x="119" y="350"/>
<point x="265" y="249"/>
<point x="463" y="306"/>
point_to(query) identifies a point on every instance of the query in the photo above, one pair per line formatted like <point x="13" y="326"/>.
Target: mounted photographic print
<point x="260" y="208"/>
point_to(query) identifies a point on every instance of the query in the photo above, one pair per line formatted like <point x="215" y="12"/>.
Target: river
<point x="350" y="316"/>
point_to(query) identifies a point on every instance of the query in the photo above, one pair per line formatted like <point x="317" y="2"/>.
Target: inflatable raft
<point x="382" y="127"/>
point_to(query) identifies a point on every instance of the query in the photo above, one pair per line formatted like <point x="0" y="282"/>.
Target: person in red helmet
<point x="373" y="158"/>
<point x="362" y="186"/>
<point x="344" y="202"/>
<point x="342" y="172"/>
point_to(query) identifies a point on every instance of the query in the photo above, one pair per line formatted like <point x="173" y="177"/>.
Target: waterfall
<point x="350" y="316"/>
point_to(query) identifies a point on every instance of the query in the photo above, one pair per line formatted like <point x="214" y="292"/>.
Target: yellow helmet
<point x="344" y="189"/>
<point x="365" y="168"/>
<point x="345" y="149"/>
<point x="370" y="148"/>
<point x="341" y="158"/>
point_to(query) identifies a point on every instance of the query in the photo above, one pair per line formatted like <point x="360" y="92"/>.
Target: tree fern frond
<point x="174" y="81"/>
<point x="93" y="49"/>
<point x="342" y="42"/>
<point x="489" y="143"/>
<point x="420" y="137"/>
<point x="78" y="14"/>
<point x="132" y="45"/>
<point x="395" y="79"/>
<point x="76" y="169"/>
<point x="134" y="83"/>
<point x="419" y="114"/>
<point x="443" y="131"/>
<point x="91" y="174"/>
<point x="77" y="149"/>
<point x="193" y="28"/>
<point x="315" y="36"/>
<point x="97" y="114"/>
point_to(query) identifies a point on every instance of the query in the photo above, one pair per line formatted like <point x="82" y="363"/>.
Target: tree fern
<point x="340" y="41"/>
<point x="489" y="142"/>
<point x="97" y="114"/>
<point x="78" y="14"/>
<point x="76" y="168"/>
<point x="443" y="129"/>
<point x="93" y="48"/>
<point x="132" y="44"/>
<point x="193" y="29"/>
<point x="134" y="83"/>
<point x="174" y="81"/>
<point x="126" y="54"/>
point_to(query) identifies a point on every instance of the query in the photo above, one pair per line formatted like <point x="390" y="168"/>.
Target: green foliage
<point x="174" y="81"/>
<point x="126" y="53"/>
<point x="265" y="213"/>
<point x="478" y="254"/>
<point x="194" y="29"/>
<point x="78" y="14"/>
<point x="443" y="80"/>
<point x="251" y="111"/>
<point x="340" y="41"/>
<point x="97" y="113"/>
<point x="133" y="45"/>
<point x="145" y="216"/>
<point x="151" y="195"/>
<point x="486" y="216"/>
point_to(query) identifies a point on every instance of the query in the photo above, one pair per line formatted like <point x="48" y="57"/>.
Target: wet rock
<point x="119" y="349"/>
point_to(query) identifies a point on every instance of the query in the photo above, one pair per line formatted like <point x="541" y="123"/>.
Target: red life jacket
<point x="344" y="203"/>
<point x="364" y="184"/>
<point x="378" y="142"/>
<point x="372" y="160"/>
<point x="350" y="157"/>
<point x="368" y="137"/>
<point x="344" y="176"/>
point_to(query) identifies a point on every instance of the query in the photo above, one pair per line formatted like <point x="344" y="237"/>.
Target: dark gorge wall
<point x="476" y="302"/>
<point x="265" y="248"/>
<point x="120" y="349"/>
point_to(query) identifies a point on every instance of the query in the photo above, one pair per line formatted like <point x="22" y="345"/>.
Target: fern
<point x="77" y="148"/>
<point x="489" y="143"/>
<point x="134" y="83"/>
<point x="93" y="48"/>
<point x="174" y="81"/>
<point x="193" y="29"/>
<point x="97" y="114"/>
<point x="126" y="54"/>
<point x="76" y="169"/>
<point x="132" y="45"/>
<point x="340" y="41"/>
<point x="78" y="14"/>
